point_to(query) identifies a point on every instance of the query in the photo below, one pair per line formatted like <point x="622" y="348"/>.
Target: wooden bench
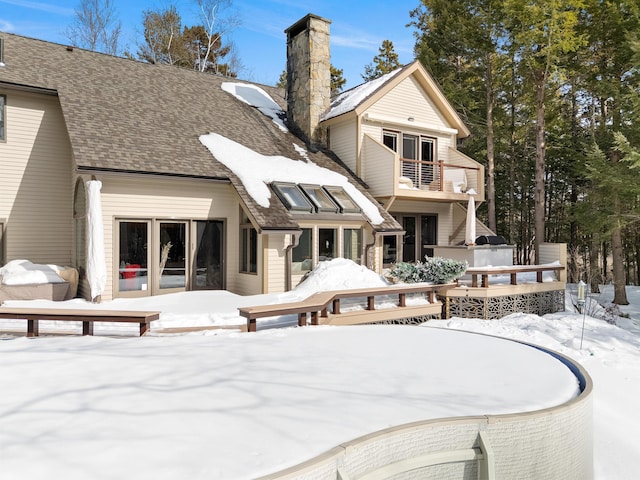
<point x="87" y="317"/>
<point x="319" y="302"/>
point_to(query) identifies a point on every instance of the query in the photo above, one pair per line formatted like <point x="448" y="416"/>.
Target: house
<point x="201" y="183"/>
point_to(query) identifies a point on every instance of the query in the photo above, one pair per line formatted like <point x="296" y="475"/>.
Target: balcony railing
<point x="438" y="176"/>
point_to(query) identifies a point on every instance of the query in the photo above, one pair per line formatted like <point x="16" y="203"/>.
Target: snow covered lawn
<point x="236" y="406"/>
<point x="221" y="404"/>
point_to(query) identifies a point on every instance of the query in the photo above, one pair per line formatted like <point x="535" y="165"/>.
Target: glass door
<point x="172" y="255"/>
<point x="429" y="234"/>
<point x="208" y="273"/>
<point x="409" y="247"/>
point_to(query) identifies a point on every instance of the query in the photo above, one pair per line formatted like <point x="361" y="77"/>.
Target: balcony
<point x="448" y="179"/>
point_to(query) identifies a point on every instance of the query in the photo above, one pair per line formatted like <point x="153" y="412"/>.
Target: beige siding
<point x="274" y="253"/>
<point x="443" y="210"/>
<point x="408" y="99"/>
<point x="35" y="183"/>
<point x="342" y="139"/>
<point x="155" y="198"/>
<point x="381" y="174"/>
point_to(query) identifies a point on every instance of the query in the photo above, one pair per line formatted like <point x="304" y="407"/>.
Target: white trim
<point x="406" y="124"/>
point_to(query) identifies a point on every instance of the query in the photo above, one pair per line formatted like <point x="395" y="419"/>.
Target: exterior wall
<point x="342" y="141"/>
<point x="459" y="222"/>
<point x="443" y="210"/>
<point x="35" y="181"/>
<point x="274" y="256"/>
<point x="551" y="443"/>
<point x="382" y="176"/>
<point x="408" y="99"/>
<point x="555" y="252"/>
<point x="138" y="197"/>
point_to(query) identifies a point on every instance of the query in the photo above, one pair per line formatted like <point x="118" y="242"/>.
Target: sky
<point x="229" y="405"/>
<point x="358" y="28"/>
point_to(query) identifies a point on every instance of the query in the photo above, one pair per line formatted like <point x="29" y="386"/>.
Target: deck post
<point x="402" y="299"/>
<point x="87" y="328"/>
<point x="32" y="328"/>
<point x="371" y="304"/>
<point x="302" y="319"/>
<point x="251" y="324"/>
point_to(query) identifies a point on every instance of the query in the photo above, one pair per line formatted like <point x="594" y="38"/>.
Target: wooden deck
<point x="317" y="305"/>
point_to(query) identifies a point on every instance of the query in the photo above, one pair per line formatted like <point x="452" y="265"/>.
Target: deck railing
<point x="512" y="271"/>
<point x="438" y="176"/>
<point x="318" y="305"/>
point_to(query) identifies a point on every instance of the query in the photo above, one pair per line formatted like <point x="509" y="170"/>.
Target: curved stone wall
<point x="553" y="443"/>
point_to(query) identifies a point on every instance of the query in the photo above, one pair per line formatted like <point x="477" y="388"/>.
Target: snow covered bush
<point x="436" y="270"/>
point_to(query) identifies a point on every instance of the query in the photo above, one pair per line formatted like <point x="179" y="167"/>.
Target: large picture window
<point x="248" y="245"/>
<point x="3" y="101"/>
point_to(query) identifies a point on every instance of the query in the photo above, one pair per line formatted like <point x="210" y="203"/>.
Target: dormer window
<point x="292" y="197"/>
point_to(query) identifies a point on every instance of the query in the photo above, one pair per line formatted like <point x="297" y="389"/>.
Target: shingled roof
<point x="129" y="116"/>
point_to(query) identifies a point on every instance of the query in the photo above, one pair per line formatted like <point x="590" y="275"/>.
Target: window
<point x="3" y="101"/>
<point x="389" y="249"/>
<point x="390" y="140"/>
<point x="133" y="256"/>
<point x="419" y="153"/>
<point x="292" y="196"/>
<point x="248" y="245"/>
<point x="344" y="201"/>
<point x="327" y="245"/>
<point x="352" y="246"/>
<point x="301" y="254"/>
<point x="320" y="198"/>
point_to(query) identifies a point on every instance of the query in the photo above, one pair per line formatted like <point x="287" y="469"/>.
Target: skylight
<point x="344" y="201"/>
<point x="320" y="198"/>
<point x="292" y="197"/>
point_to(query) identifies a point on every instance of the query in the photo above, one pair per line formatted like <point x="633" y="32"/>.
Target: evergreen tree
<point x="386" y="61"/>
<point x="337" y="81"/>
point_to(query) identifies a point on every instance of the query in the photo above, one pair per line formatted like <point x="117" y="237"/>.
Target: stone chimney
<point x="308" y="77"/>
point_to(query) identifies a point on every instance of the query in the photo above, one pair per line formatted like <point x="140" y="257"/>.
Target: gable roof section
<point x="128" y="116"/>
<point x="358" y="99"/>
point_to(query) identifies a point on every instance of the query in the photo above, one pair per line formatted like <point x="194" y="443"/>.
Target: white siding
<point x="342" y="140"/>
<point x="35" y="180"/>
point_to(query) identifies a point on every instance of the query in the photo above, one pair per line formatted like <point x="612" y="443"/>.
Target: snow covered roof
<point x="157" y="113"/>
<point x="349" y="100"/>
<point x="359" y="98"/>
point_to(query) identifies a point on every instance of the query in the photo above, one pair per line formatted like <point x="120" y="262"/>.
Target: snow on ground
<point x="180" y="406"/>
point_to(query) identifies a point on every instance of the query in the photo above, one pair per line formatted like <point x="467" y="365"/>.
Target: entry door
<point x="172" y="257"/>
<point x="429" y="234"/>
<point x="208" y="271"/>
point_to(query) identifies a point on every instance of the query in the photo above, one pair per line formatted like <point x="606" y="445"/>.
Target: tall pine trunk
<point x="491" y="188"/>
<point x="539" y="196"/>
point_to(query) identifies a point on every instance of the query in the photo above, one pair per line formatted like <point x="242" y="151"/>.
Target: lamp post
<point x="582" y="296"/>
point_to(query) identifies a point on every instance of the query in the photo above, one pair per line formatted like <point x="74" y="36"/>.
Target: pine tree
<point x="337" y="80"/>
<point x="386" y="61"/>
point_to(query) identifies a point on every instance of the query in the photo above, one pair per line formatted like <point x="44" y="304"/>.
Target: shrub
<point x="433" y="270"/>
